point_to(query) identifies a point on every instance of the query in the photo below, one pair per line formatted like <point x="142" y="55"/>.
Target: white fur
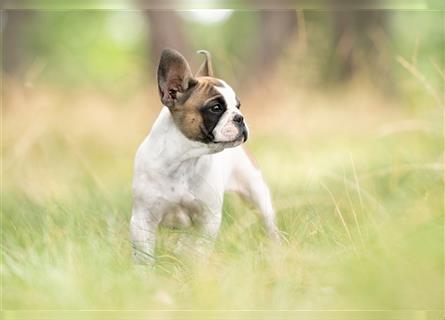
<point x="226" y="129"/>
<point x="179" y="183"/>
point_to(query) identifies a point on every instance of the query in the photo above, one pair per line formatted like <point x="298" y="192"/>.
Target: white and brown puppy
<point x="191" y="157"/>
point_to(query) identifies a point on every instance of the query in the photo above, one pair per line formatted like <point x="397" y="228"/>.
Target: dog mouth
<point x="209" y="138"/>
<point x="240" y="138"/>
<point x="245" y="135"/>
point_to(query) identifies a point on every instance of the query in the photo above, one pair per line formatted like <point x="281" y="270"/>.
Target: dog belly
<point x="176" y="219"/>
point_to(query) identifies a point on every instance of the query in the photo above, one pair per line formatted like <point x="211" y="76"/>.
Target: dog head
<point x="204" y="108"/>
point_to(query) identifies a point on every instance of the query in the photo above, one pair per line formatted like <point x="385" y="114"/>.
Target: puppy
<point x="192" y="155"/>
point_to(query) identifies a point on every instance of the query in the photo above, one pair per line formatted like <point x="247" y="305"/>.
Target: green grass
<point x="362" y="213"/>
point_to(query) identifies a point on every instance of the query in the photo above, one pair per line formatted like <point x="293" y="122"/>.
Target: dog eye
<point x="217" y="108"/>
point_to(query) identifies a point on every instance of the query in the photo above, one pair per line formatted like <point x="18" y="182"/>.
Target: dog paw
<point x="279" y="237"/>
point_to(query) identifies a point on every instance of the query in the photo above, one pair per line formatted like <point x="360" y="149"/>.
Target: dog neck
<point x="169" y="148"/>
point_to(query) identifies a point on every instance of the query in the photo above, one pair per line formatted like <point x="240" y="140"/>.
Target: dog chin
<point x="231" y="144"/>
<point x="220" y="145"/>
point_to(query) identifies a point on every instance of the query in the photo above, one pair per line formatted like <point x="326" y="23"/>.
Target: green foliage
<point x="97" y="49"/>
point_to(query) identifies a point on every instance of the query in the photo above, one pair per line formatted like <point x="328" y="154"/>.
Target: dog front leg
<point x="249" y="183"/>
<point x="208" y="224"/>
<point x="143" y="227"/>
<point x="200" y="243"/>
<point x="259" y="195"/>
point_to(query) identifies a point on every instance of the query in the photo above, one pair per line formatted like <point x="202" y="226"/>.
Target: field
<point x="357" y="182"/>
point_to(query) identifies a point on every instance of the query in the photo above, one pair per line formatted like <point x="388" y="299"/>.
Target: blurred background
<point x="346" y="113"/>
<point x="116" y="51"/>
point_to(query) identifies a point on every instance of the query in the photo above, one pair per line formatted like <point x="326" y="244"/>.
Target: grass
<point x="358" y="192"/>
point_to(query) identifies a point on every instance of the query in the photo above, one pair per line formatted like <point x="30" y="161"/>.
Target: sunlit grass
<point x="361" y="207"/>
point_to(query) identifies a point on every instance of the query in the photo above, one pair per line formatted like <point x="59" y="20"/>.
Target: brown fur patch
<point x="210" y="80"/>
<point x="187" y="115"/>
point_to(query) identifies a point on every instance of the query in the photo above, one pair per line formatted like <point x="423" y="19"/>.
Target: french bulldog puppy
<point x="193" y="155"/>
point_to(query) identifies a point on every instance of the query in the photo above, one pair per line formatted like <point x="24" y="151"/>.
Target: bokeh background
<point x="346" y="115"/>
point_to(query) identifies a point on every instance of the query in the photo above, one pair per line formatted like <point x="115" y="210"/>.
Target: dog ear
<point x="174" y="77"/>
<point x="206" y="68"/>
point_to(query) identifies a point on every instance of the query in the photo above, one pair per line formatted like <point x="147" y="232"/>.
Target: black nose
<point x="238" y="118"/>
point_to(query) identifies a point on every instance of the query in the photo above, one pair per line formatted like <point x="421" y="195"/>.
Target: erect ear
<point x="174" y="77"/>
<point x="206" y="68"/>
